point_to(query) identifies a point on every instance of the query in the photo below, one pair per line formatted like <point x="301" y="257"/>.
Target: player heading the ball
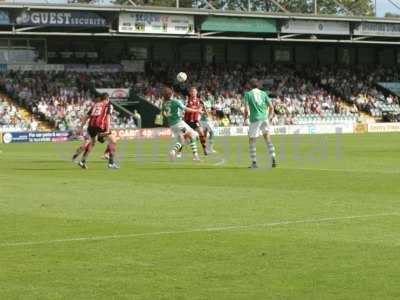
<point x="172" y="109"/>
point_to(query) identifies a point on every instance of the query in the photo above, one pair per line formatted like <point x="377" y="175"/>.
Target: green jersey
<point x="258" y="102"/>
<point x="208" y="107"/>
<point x="173" y="110"/>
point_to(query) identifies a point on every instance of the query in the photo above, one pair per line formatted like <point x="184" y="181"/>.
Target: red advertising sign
<point x="150" y="133"/>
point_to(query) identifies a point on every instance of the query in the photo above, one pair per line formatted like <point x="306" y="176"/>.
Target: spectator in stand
<point x="354" y="109"/>
<point x="33" y="125"/>
<point x="138" y="118"/>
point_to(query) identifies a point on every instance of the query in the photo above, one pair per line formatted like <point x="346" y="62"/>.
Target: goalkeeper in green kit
<point x="259" y="109"/>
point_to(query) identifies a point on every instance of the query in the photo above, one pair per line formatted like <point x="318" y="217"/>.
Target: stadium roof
<point x="278" y="36"/>
<point x="195" y="11"/>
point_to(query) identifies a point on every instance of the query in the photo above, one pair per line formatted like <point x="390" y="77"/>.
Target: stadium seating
<point x="13" y="118"/>
<point x="359" y="85"/>
<point x="310" y="97"/>
<point x="296" y="99"/>
<point x="61" y="98"/>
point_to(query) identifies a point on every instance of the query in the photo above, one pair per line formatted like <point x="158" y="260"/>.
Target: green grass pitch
<point x="324" y="225"/>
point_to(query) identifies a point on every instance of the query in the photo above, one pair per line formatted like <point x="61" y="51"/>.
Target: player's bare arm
<point x="108" y="126"/>
<point x="193" y="110"/>
<point x="271" y="111"/>
<point x="84" y="121"/>
<point x="246" y="114"/>
<point x="203" y="108"/>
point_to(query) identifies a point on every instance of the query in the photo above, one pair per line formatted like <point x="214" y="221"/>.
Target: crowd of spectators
<point x="292" y="94"/>
<point x="63" y="98"/>
<point x="12" y="120"/>
<point x="358" y="85"/>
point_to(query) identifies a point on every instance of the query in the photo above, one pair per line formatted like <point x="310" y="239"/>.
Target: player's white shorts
<point x="207" y="126"/>
<point x="258" y="128"/>
<point x="180" y="128"/>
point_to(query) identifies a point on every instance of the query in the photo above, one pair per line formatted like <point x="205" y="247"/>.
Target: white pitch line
<point x="219" y="163"/>
<point x="210" y="229"/>
<point x="340" y="170"/>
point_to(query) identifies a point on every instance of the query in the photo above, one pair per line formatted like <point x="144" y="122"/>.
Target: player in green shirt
<point x="172" y="110"/>
<point x="260" y="108"/>
<point x="205" y="123"/>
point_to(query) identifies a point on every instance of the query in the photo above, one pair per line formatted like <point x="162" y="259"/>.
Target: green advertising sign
<point x="234" y="24"/>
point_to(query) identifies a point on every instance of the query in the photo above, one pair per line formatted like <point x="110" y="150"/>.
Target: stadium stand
<point x="13" y="118"/>
<point x="297" y="100"/>
<point x="61" y="98"/>
<point x="359" y="86"/>
<point x="318" y="95"/>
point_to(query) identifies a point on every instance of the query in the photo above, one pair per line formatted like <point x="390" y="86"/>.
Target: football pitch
<point x="324" y="225"/>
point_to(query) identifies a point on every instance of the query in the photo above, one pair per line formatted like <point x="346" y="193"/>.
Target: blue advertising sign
<point x="35" y="137"/>
<point x="15" y="137"/>
<point x="4" y="18"/>
<point x="61" y="18"/>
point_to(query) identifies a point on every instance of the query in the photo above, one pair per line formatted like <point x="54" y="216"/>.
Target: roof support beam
<point x="132" y="3"/>
<point x="289" y="35"/>
<point x="279" y="6"/>
<point x="28" y="28"/>
<point x="210" y="33"/>
<point x="359" y="38"/>
<point x="343" y="7"/>
<point x="199" y="37"/>
<point x="209" y="5"/>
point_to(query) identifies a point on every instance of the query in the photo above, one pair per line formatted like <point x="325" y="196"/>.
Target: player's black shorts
<point x="97" y="132"/>
<point x="194" y="125"/>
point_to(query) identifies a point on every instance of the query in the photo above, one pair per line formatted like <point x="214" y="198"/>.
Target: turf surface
<point x="324" y="225"/>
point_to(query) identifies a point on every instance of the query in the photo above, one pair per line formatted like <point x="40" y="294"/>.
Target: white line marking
<point x="210" y="229"/>
<point x="220" y="163"/>
<point x="341" y="170"/>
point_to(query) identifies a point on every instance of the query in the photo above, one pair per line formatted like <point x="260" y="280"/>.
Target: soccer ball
<point x="181" y="77"/>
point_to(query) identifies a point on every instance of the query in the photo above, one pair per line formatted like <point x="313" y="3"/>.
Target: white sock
<point x="253" y="152"/>
<point x="271" y="149"/>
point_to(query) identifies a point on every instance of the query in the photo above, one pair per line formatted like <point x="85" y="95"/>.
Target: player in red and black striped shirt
<point x="99" y="127"/>
<point x="193" y="118"/>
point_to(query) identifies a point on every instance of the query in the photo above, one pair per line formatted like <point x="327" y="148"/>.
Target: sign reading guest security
<point x="65" y="19"/>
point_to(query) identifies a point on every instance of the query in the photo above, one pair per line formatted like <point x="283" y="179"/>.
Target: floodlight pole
<point x="316" y="7"/>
